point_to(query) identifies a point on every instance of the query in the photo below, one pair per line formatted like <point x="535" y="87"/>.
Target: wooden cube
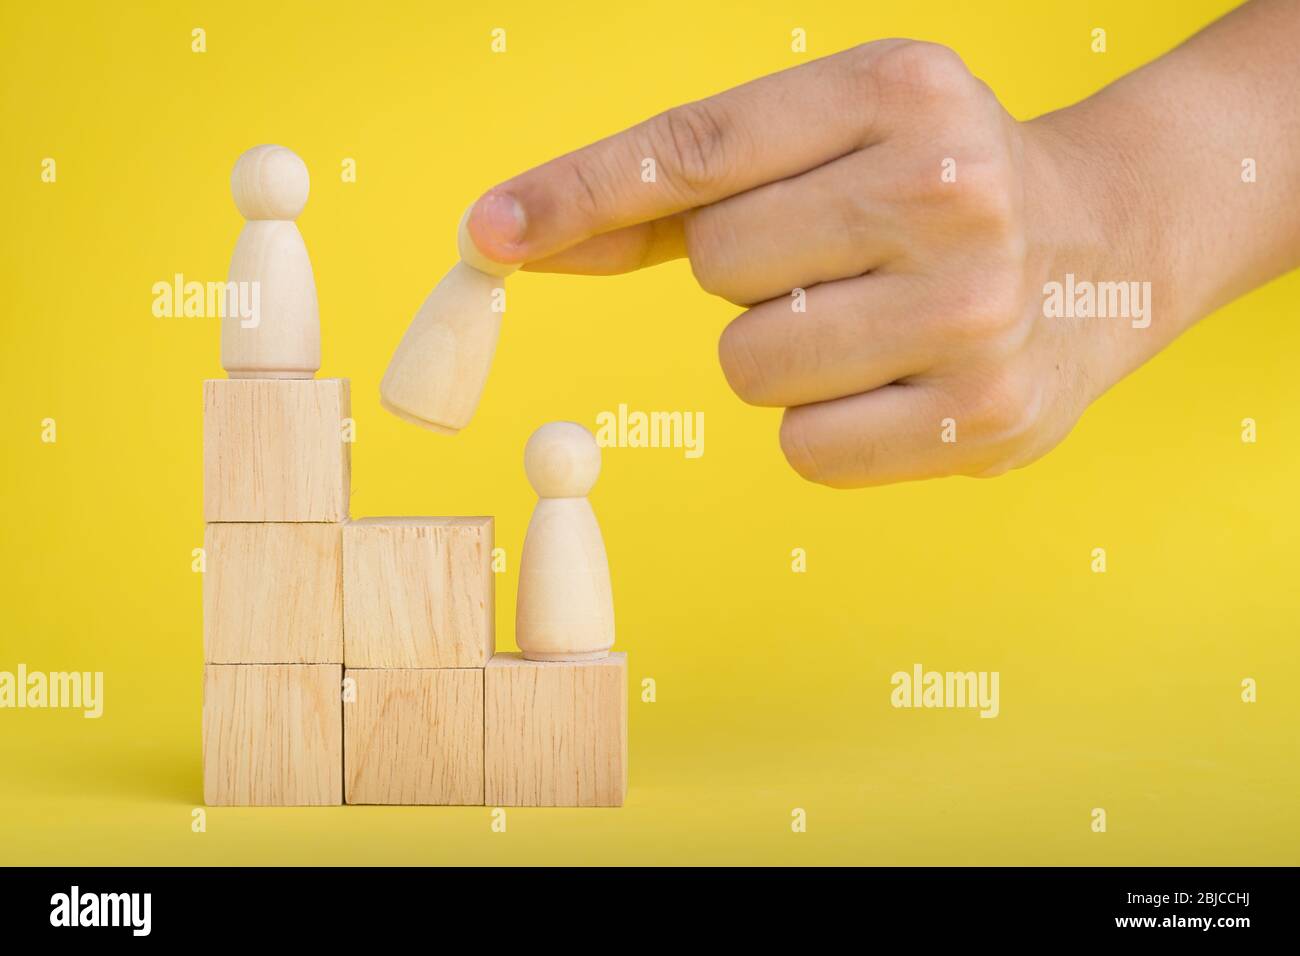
<point x="414" y="736"/>
<point x="418" y="592"/>
<point x="273" y="593"/>
<point x="555" y="733"/>
<point x="273" y="449"/>
<point x="272" y="734"/>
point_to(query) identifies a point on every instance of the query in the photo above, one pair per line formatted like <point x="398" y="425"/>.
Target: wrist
<point x="1093" y="221"/>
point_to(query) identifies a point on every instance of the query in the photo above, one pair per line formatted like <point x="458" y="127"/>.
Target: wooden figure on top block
<point x="565" y="610"/>
<point x="281" y="336"/>
<point x="437" y="374"/>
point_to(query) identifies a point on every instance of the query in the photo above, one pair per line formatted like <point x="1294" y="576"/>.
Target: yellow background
<point x="1119" y="690"/>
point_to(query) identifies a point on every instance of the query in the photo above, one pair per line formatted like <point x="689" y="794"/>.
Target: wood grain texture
<point x="270" y="185"/>
<point x="414" y="736"/>
<point x="437" y="373"/>
<point x="283" y="340"/>
<point x="273" y="593"/>
<point x="565" y="606"/>
<point x="272" y="735"/>
<point x="418" y="592"/>
<point x="555" y="734"/>
<point x="273" y="450"/>
<point x="270" y="182"/>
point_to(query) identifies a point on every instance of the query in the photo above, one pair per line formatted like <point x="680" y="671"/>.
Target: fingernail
<point x="501" y="219"/>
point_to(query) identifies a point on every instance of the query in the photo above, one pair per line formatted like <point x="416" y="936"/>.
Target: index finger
<point x="768" y="129"/>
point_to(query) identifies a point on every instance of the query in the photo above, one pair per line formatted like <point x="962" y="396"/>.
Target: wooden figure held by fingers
<point x="565" y="610"/>
<point x="437" y="374"/>
<point x="279" y="336"/>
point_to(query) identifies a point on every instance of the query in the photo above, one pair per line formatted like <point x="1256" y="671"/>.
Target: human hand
<point x="886" y="193"/>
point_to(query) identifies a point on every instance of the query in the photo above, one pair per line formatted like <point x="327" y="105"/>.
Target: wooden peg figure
<point x="279" y="336"/>
<point x="565" y="610"/>
<point x="436" y="377"/>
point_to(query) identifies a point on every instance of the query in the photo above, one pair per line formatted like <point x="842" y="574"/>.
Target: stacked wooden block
<point x="276" y="486"/>
<point x="353" y="661"/>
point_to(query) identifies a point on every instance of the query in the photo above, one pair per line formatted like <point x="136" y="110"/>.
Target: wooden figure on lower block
<point x="555" y="733"/>
<point x="272" y="735"/>
<point x="565" y="609"/>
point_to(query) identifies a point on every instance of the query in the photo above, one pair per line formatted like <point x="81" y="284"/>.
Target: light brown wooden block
<point x="414" y="736"/>
<point x="555" y="733"/>
<point x="272" y="734"/>
<point x="273" y="449"/>
<point x="418" y="592"/>
<point x="273" y="593"/>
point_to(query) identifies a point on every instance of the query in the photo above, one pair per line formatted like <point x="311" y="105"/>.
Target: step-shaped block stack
<point x="354" y="661"/>
<point x="431" y="714"/>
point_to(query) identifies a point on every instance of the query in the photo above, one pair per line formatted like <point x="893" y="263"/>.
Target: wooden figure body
<point x="565" y="609"/>
<point x="280" y="338"/>
<point x="437" y="374"/>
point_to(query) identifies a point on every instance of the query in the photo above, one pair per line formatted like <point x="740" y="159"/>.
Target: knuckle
<point x="586" y="193"/>
<point x="707" y="245"/>
<point x="709" y="276"/>
<point x="695" y="142"/>
<point x="715" y="280"/>
<point x="983" y="198"/>
<point x="917" y="188"/>
<point x="986" y="194"/>
<point x="995" y="469"/>
<point x="860" y="60"/>
<point x="740" y="365"/>
<point x="922" y="68"/>
<point x="987" y="312"/>
<point x="797" y="447"/>
<point x="1001" y="459"/>
<point x="860" y="65"/>
<point x="856" y="71"/>
<point x="1005" y="409"/>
